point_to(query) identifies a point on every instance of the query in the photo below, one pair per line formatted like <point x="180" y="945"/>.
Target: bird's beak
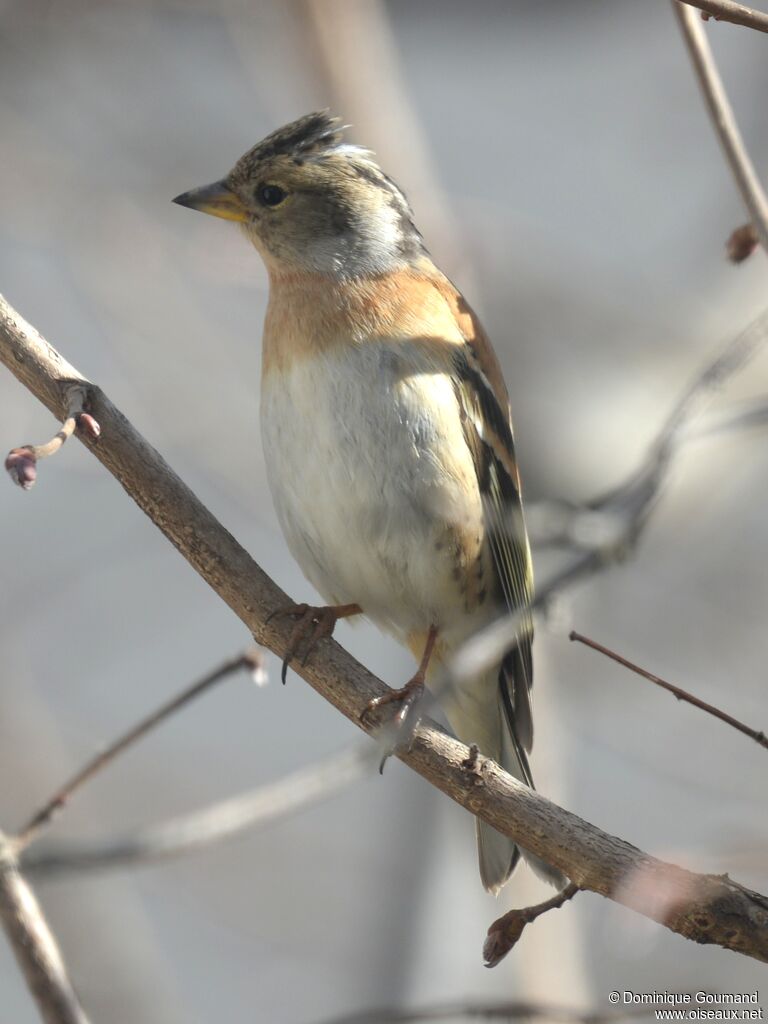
<point x="217" y="199"/>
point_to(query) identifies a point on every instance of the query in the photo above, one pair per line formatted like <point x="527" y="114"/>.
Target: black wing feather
<point x="488" y="431"/>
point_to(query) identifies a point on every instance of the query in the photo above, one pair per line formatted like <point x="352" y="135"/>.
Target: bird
<point x="387" y="435"/>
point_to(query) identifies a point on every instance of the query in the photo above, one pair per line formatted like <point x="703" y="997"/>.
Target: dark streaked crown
<point x="311" y="135"/>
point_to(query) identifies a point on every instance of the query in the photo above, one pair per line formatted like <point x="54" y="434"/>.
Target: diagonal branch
<point x="704" y="908"/>
<point x="250" y="659"/>
<point x="757" y="735"/>
<point x="610" y="524"/>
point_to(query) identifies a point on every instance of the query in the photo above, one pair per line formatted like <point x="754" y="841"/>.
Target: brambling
<point x="386" y="431"/>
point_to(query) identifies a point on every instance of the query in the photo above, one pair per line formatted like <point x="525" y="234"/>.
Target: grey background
<point x="565" y="174"/>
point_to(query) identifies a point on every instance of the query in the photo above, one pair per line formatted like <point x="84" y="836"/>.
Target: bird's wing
<point x="485" y="412"/>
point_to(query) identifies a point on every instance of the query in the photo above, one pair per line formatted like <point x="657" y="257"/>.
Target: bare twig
<point x="723" y="119"/>
<point x="737" y="416"/>
<point x="250" y="659"/>
<point x="613" y="521"/>
<point x="21" y="463"/>
<point x="756" y="735"/>
<point x="704" y="908"/>
<point x="213" y="824"/>
<point x="35" y="947"/>
<point x="469" y="1010"/>
<point x="506" y="930"/>
<point x="635" y="498"/>
<point x="736" y="14"/>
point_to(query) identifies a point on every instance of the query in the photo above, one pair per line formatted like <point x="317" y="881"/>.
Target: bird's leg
<point x="313" y="624"/>
<point x="407" y="695"/>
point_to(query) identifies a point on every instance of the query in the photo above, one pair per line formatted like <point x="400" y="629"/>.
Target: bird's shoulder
<point x="480" y="388"/>
<point x="480" y="351"/>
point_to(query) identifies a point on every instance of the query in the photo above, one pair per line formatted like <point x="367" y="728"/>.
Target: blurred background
<point x="564" y="173"/>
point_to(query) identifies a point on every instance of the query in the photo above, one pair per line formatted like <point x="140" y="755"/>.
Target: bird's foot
<point x="399" y="730"/>
<point x="313" y="624"/>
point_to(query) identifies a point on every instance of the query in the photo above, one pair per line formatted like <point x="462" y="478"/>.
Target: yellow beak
<point x="218" y="199"/>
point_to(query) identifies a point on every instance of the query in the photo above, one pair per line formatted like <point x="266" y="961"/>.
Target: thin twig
<point x="741" y="415"/>
<point x="506" y="930"/>
<point x="754" y="734"/>
<point x="736" y="14"/>
<point x="35" y="947"/>
<point x="635" y="497"/>
<point x="250" y="659"/>
<point x="615" y="520"/>
<point x="21" y="463"/>
<point x="213" y="824"/>
<point x="723" y="119"/>
<point x="704" y="908"/>
<point x="469" y="1010"/>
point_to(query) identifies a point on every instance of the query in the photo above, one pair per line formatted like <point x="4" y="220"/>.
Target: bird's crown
<point x="312" y="135"/>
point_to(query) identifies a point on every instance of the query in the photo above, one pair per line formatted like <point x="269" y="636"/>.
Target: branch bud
<point x="742" y="243"/>
<point x="502" y="936"/>
<point x="89" y="426"/>
<point x="21" y="464"/>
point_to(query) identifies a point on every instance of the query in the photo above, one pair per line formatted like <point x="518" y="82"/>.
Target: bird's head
<point x="311" y="202"/>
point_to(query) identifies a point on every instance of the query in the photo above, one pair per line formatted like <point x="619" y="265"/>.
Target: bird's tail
<point x="483" y="714"/>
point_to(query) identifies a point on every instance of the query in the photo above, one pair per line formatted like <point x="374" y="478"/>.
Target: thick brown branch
<point x="755" y="734"/>
<point x="34" y="945"/>
<point x="723" y="119"/>
<point x="736" y="14"/>
<point x="705" y="908"/>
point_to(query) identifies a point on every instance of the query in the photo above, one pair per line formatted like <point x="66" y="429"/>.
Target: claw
<point x="407" y="697"/>
<point x="323" y="628"/>
<point x="288" y="611"/>
<point x="313" y="624"/>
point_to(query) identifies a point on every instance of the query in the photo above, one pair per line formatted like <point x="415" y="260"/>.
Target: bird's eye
<point x="270" y="195"/>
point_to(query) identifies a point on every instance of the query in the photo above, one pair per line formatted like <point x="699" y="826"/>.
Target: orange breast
<point x="313" y="313"/>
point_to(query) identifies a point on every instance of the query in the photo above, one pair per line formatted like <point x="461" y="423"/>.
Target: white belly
<point x="369" y="472"/>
